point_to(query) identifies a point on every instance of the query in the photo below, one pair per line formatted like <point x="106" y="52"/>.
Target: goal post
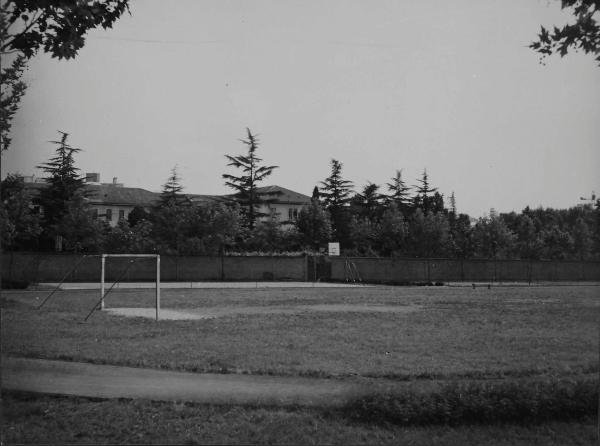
<point x="134" y="257"/>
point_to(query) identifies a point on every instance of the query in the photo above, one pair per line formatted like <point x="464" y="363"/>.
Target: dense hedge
<point x="482" y="402"/>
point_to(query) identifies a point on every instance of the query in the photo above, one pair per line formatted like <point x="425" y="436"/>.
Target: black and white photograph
<point x="300" y="222"/>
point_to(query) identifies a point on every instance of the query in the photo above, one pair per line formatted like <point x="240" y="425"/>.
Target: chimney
<point x="115" y="181"/>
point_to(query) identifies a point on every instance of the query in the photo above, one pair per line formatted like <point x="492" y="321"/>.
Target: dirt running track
<point x="106" y="381"/>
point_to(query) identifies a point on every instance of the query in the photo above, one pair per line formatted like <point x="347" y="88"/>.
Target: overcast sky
<point x="379" y="85"/>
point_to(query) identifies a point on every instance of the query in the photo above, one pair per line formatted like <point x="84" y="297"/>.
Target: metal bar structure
<point x="135" y="256"/>
<point x="101" y="301"/>
<point x="64" y="279"/>
<point x="356" y="274"/>
<point x="157" y="286"/>
<point x="102" y="275"/>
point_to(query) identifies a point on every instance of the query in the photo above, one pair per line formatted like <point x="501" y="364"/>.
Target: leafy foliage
<point x="314" y="225"/>
<point x="366" y="224"/>
<point x="392" y="231"/>
<point x="19" y="223"/>
<point x="57" y="27"/>
<point x="79" y="230"/>
<point x="269" y="236"/>
<point x="581" y="35"/>
<point x="429" y="234"/>
<point x="13" y="89"/>
<point x="492" y="237"/>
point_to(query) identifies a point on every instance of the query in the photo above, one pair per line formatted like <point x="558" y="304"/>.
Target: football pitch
<point x="387" y="332"/>
<point x="384" y="334"/>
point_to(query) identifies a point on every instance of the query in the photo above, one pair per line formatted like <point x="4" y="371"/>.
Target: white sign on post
<point x="334" y="249"/>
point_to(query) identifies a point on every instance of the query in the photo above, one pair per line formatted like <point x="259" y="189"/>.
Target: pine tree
<point x="452" y="204"/>
<point x="63" y="183"/>
<point x="335" y="190"/>
<point x="170" y="217"/>
<point x="246" y="184"/>
<point x="336" y="194"/>
<point x="424" y="196"/>
<point x="367" y="204"/>
<point x="171" y="191"/>
<point x="316" y="194"/>
<point x="399" y="192"/>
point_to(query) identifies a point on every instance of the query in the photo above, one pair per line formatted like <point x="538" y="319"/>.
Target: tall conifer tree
<point x="246" y="184"/>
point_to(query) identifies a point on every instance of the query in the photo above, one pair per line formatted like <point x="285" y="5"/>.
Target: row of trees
<point x="401" y="220"/>
<point x="416" y="222"/>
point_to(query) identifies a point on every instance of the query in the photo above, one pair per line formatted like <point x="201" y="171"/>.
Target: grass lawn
<point x="62" y="420"/>
<point x="451" y="335"/>
<point x="452" y="332"/>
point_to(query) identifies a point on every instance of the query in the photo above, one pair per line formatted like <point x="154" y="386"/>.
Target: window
<point x="121" y="214"/>
<point x="109" y="215"/>
<point x="292" y="214"/>
<point x="95" y="214"/>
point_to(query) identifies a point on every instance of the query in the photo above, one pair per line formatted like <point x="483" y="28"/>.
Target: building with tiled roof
<point x="280" y="203"/>
<point x="114" y="201"/>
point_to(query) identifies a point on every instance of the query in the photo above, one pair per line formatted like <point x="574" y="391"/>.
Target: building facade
<point x="113" y="202"/>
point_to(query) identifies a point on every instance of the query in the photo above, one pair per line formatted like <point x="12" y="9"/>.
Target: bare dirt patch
<point x="209" y="313"/>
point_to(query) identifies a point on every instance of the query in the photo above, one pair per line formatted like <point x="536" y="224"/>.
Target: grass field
<point x="505" y="333"/>
<point x="449" y="332"/>
<point x="59" y="420"/>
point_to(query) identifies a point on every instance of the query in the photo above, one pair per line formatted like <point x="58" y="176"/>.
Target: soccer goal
<point x="106" y="288"/>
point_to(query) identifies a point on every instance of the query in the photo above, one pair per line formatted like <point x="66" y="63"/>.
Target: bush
<point x="482" y="402"/>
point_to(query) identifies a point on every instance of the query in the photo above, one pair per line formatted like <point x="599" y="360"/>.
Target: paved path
<point x="106" y="381"/>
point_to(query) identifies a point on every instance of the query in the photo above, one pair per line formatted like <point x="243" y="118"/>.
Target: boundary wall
<point x="390" y="270"/>
<point x="48" y="267"/>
